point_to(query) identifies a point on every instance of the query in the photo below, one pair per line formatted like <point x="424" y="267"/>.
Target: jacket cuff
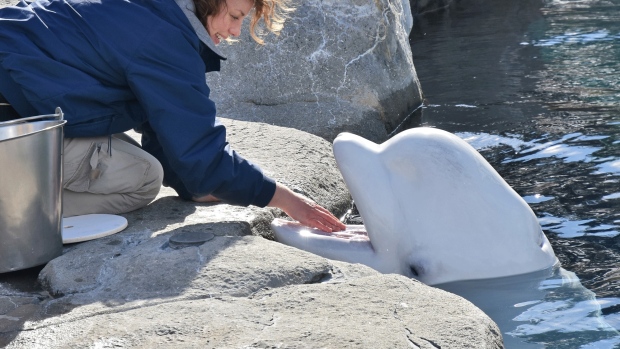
<point x="178" y="186"/>
<point x="266" y="192"/>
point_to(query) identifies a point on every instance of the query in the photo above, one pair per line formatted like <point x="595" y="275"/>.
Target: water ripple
<point x="576" y="38"/>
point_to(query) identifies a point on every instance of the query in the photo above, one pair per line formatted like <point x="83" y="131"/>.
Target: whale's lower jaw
<point x="435" y="266"/>
<point x="438" y="278"/>
<point x="352" y="246"/>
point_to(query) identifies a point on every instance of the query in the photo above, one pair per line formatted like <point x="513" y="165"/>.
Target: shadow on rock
<point x="115" y="273"/>
<point x="159" y="214"/>
<point x="20" y="298"/>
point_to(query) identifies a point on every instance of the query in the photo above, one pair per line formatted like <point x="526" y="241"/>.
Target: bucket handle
<point x="58" y="115"/>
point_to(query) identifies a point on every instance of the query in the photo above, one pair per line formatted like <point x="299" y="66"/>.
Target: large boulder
<point x="377" y="311"/>
<point x="241" y="292"/>
<point x="337" y="66"/>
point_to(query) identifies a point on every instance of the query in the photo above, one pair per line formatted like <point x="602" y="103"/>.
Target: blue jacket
<point x="114" y="65"/>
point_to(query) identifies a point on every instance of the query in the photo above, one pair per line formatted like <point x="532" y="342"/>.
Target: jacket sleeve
<point x="167" y="76"/>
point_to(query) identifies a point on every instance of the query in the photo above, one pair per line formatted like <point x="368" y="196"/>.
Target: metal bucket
<point x="30" y="191"/>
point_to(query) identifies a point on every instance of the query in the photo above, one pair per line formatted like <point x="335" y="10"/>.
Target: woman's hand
<point x="304" y="210"/>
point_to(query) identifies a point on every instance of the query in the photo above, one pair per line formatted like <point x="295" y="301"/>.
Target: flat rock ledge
<point x="136" y="289"/>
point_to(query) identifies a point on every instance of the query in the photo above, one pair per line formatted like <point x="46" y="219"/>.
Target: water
<point x="545" y="309"/>
<point x="535" y="86"/>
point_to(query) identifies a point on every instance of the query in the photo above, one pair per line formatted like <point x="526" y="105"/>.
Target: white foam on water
<point x="548" y="317"/>
<point x="537" y="198"/>
<point x="531" y="150"/>
<point x="482" y="141"/>
<point x="560" y="149"/>
<point x="532" y="308"/>
<point x="566" y="228"/>
<point x="575" y="37"/>
<point x="608" y="167"/>
<point x="611" y="343"/>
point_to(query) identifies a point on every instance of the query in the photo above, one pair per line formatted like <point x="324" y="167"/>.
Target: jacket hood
<point x="189" y="9"/>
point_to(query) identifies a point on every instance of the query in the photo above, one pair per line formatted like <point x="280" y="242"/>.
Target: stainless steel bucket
<point x="30" y="191"/>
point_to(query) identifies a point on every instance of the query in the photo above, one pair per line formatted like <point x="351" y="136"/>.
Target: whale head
<point x="433" y="209"/>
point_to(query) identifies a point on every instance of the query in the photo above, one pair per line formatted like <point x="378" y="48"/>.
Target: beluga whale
<point x="433" y="209"/>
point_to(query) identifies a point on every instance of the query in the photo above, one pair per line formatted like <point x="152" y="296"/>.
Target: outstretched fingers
<point x="304" y="210"/>
<point x="325" y="221"/>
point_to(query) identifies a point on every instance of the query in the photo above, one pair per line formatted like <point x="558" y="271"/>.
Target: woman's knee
<point x="153" y="179"/>
<point x="153" y="175"/>
<point x="117" y="181"/>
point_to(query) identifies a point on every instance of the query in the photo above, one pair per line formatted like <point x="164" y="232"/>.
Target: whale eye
<point x="414" y="271"/>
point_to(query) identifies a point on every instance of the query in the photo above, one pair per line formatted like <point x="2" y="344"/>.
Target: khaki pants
<point x="95" y="182"/>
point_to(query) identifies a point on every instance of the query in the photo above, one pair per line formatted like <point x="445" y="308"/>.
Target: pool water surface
<point x="534" y="85"/>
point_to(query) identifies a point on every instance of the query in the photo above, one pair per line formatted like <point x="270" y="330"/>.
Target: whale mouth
<point x="352" y="233"/>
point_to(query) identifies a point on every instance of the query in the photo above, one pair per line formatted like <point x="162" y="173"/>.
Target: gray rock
<point x="234" y="266"/>
<point x="104" y="267"/>
<point x="302" y="161"/>
<point x="378" y="311"/>
<point x="337" y="66"/>
<point x="407" y="16"/>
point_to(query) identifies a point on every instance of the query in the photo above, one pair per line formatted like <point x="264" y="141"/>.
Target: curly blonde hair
<point x="273" y="13"/>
